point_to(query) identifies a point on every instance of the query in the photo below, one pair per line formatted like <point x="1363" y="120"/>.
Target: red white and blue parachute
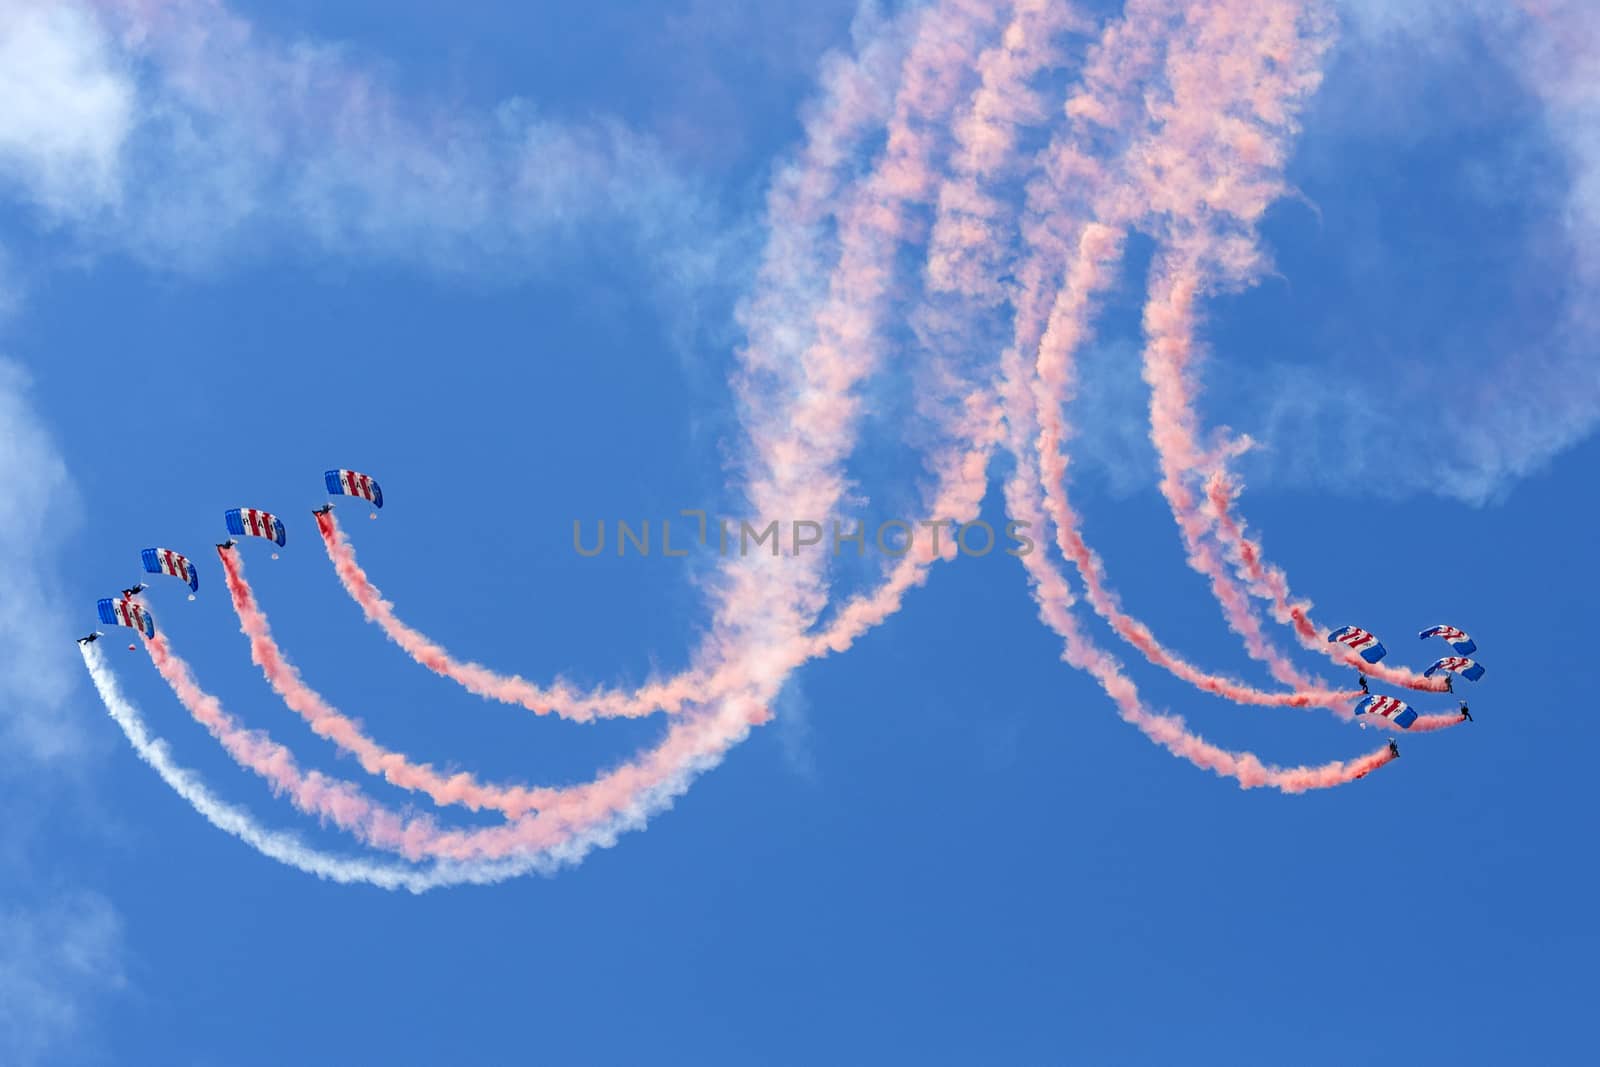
<point x="1464" y="645"/>
<point x="1359" y="640"/>
<point x="354" y="483"/>
<point x="252" y="522"/>
<point x="1469" y="669"/>
<point x="1394" y="709"/>
<point x="126" y="613"/>
<point x="166" y="561"/>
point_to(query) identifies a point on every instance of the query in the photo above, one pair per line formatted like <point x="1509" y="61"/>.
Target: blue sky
<point x="946" y="847"/>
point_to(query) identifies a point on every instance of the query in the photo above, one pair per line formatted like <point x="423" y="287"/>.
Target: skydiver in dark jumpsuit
<point x="1394" y="750"/>
<point x="1363" y="680"/>
<point x="1465" y="714"/>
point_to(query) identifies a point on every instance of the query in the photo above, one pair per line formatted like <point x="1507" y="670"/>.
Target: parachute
<point x="354" y="483"/>
<point x="255" y="523"/>
<point x="1464" y="645"/>
<point x="1359" y="640"/>
<point x="1469" y="669"/>
<point x="126" y="613"/>
<point x="1394" y="709"/>
<point x="166" y="561"/>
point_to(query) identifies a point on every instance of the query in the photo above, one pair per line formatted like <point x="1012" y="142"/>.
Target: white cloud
<point x="54" y="961"/>
<point x="37" y="501"/>
<point x="184" y="136"/>
<point x="1523" y="393"/>
<point x="65" y="110"/>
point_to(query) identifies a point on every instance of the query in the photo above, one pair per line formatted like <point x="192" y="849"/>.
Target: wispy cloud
<point x="37" y="502"/>
<point x="180" y="134"/>
<point x="1517" y="395"/>
<point x="55" y="960"/>
<point x="65" y="107"/>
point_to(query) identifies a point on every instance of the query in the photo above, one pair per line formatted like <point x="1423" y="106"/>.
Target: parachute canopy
<point x="1469" y="669"/>
<point x="126" y="613"/>
<point x="1464" y="645"/>
<point x="1392" y="708"/>
<point x="166" y="561"/>
<point x="251" y="522"/>
<point x="354" y="483"/>
<point x="1359" y="640"/>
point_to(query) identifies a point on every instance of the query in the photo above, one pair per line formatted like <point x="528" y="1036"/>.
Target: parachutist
<point x="91" y="639"/>
<point x="225" y="545"/>
<point x="1465" y="714"/>
<point x="1449" y="683"/>
<point x="323" y="510"/>
<point x="1363" y="680"/>
<point x="1394" y="750"/>
<point x="134" y="590"/>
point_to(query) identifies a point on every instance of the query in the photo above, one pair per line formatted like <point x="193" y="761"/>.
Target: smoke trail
<point x="1270" y="583"/>
<point x="696" y="742"/>
<point x="799" y="441"/>
<point x="1114" y="70"/>
<point x="326" y="721"/>
<point x="1236" y="82"/>
<point x="1055" y="599"/>
<point x="569" y="821"/>
<point x="814" y="340"/>
<point x="288" y="849"/>
<point x="278" y="845"/>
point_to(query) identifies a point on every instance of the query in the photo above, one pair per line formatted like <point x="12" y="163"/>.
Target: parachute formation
<point x="952" y="195"/>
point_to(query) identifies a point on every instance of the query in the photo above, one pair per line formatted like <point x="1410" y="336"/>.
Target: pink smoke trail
<point x="564" y="815"/>
<point x="330" y="799"/>
<point x="1270" y="583"/>
<point x="961" y="480"/>
<point x="1170" y="331"/>
<point x="799" y="446"/>
<point x="326" y="721"/>
<point x="1236" y="84"/>
<point x="1116" y="65"/>
<point x="1055" y="600"/>
<point x="689" y="746"/>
